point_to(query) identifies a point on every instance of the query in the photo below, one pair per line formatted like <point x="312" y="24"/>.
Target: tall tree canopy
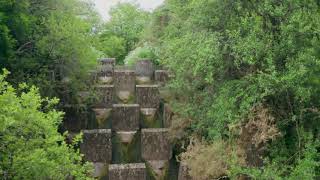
<point x="246" y="72"/>
<point x="121" y="34"/>
<point x="43" y="42"/>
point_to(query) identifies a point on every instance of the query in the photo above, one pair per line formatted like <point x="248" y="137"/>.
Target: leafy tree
<point x="44" y="42"/>
<point x="234" y="60"/>
<point x="31" y="147"/>
<point x="125" y="27"/>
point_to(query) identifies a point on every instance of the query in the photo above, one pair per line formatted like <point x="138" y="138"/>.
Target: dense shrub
<point x="31" y="147"/>
<point x="230" y="57"/>
<point x="145" y="52"/>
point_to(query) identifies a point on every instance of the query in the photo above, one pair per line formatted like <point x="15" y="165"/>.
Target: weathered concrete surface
<point x="148" y="96"/>
<point x="161" y="76"/>
<point x="106" y="67"/>
<point x="167" y="115"/>
<point x="105" y="96"/>
<point x="127" y="171"/>
<point x="159" y="168"/>
<point x="96" y="145"/>
<point x="124" y="84"/>
<point x="125" y="117"/>
<point x="106" y="70"/>
<point x="126" y="136"/>
<point x="144" y="68"/>
<point x="155" y="144"/>
<point x="184" y="172"/>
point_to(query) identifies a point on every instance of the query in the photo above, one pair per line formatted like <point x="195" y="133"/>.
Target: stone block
<point x="105" y="96"/>
<point x="127" y="171"/>
<point x="161" y="76"/>
<point x="144" y="68"/>
<point x="124" y="84"/>
<point x="106" y="67"/>
<point x="155" y="144"/>
<point x="148" y="96"/>
<point x="96" y="145"/>
<point x="126" y="117"/>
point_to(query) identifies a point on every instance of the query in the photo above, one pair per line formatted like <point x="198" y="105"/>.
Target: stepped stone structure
<point x="125" y="97"/>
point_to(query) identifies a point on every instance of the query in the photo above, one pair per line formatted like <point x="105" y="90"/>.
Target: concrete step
<point x="96" y="145"/>
<point x="144" y="69"/>
<point x="155" y="144"/>
<point x="104" y="96"/>
<point x="156" y="151"/>
<point x="148" y="96"/>
<point x="126" y="117"/>
<point x="106" y="70"/>
<point x="124" y="85"/>
<point x="135" y="171"/>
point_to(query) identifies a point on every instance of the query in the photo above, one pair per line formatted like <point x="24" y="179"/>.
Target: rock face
<point x="127" y="171"/>
<point x="148" y="96"/>
<point x="125" y="117"/>
<point x="155" y="144"/>
<point x="96" y="145"/>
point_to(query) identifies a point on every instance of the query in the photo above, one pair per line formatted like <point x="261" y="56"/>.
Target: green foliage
<point x="43" y="42"/>
<point x="227" y="57"/>
<point x="31" y="147"/>
<point x="145" y="52"/>
<point x="123" y="31"/>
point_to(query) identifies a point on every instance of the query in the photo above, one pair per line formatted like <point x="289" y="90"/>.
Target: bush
<point x="145" y="52"/>
<point x="31" y="147"/>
